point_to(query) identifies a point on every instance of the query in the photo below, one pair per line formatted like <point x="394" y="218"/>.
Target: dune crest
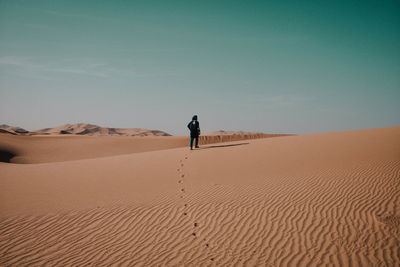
<point x="14" y="130"/>
<point x="223" y="132"/>
<point x="95" y="130"/>
<point x="66" y="147"/>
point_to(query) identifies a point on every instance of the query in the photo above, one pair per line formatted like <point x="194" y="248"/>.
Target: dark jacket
<point x="194" y="127"/>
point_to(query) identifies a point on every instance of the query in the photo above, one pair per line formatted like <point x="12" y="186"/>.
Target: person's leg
<point x="197" y="141"/>
<point x="191" y="142"/>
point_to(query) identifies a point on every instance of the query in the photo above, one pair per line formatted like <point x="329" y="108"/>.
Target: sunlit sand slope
<point x="309" y="200"/>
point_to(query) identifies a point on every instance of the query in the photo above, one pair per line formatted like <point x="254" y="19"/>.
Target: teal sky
<point x="278" y="66"/>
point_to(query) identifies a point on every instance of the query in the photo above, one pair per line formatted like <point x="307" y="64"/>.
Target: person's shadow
<point x="208" y="147"/>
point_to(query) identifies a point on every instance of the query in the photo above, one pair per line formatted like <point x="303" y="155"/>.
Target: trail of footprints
<point x="299" y="222"/>
<point x="181" y="182"/>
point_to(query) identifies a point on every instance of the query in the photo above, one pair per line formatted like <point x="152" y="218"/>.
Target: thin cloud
<point x="79" y="68"/>
<point x="77" y="15"/>
<point x="37" y="26"/>
<point x="86" y="71"/>
<point x="281" y="101"/>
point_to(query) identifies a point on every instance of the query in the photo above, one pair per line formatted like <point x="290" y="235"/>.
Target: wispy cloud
<point x="71" y="15"/>
<point x="37" y="26"/>
<point x="280" y="101"/>
<point x="76" y="67"/>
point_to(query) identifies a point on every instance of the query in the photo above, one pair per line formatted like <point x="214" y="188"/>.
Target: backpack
<point x="193" y="126"/>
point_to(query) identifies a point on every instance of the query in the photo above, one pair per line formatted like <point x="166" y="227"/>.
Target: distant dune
<point x="82" y="129"/>
<point x="230" y="136"/>
<point x="4" y="128"/>
<point x="307" y="200"/>
<point x="223" y="132"/>
<point x="95" y="130"/>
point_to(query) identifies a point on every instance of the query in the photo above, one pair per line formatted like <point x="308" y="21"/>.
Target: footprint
<point x="185" y="157"/>
<point x="185" y="205"/>
<point x="183" y="189"/>
<point x="181" y="165"/>
<point x="182" y="175"/>
<point x="180" y="181"/>
<point x="391" y="220"/>
<point x="178" y="170"/>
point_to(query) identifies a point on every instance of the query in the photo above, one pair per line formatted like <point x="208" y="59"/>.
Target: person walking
<point x="194" y="127"/>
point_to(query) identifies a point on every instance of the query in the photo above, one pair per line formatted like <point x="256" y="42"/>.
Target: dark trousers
<point x="196" y="141"/>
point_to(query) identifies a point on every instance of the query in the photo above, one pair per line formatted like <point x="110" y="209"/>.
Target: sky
<point x="266" y="66"/>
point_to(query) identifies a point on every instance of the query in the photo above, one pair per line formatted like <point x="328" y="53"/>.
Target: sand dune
<point x="212" y="139"/>
<point x="310" y="200"/>
<point x="41" y="149"/>
<point x="95" y="130"/>
<point x="83" y="129"/>
<point x="14" y="130"/>
<point x="223" y="132"/>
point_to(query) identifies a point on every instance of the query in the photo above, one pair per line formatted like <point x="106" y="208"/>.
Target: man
<point x="194" y="127"/>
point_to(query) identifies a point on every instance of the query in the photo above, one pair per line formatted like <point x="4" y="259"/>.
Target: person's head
<point x="194" y="118"/>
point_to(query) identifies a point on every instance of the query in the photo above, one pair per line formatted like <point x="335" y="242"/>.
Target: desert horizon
<point x="78" y="141"/>
<point x="82" y="128"/>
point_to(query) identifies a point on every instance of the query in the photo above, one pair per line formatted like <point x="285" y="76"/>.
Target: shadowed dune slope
<point x="308" y="200"/>
<point x="14" y="130"/>
<point x="41" y="149"/>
